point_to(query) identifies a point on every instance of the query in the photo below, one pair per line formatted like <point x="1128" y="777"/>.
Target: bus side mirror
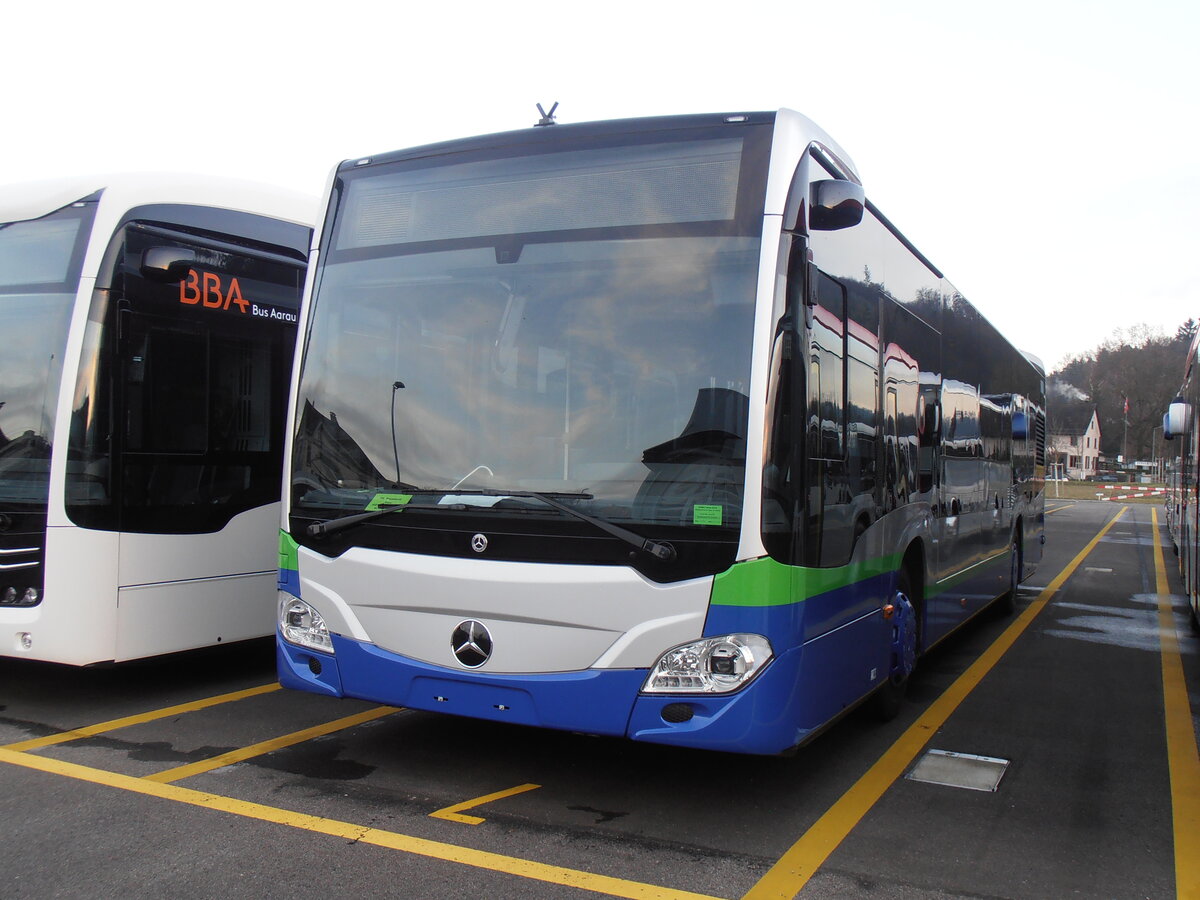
<point x="1168" y="435"/>
<point x="1020" y="426"/>
<point x="1177" y="418"/>
<point x="835" y="204"/>
<point x="167" y="265"/>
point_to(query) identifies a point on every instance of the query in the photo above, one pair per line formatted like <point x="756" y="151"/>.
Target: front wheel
<point x="1007" y="604"/>
<point x="905" y="627"/>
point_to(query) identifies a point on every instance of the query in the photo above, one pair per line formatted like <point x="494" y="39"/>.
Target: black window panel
<point x="827" y="371"/>
<point x="961" y="338"/>
<point x="179" y="426"/>
<point x="916" y="353"/>
<point x="911" y="352"/>
<point x="787" y="410"/>
<point x="842" y="377"/>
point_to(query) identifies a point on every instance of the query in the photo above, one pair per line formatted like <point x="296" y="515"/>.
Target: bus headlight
<point x="715" y="665"/>
<point x="302" y="625"/>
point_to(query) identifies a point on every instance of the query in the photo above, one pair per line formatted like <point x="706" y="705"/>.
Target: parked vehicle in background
<point x="1183" y="508"/>
<point x="149" y="324"/>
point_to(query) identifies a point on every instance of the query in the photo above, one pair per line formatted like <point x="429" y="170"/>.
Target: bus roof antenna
<point x="547" y="117"/>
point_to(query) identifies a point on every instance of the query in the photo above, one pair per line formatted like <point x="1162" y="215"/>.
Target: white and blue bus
<point x="147" y="326"/>
<point x="654" y="428"/>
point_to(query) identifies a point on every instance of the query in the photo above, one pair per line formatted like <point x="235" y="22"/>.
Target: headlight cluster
<point x="20" y="595"/>
<point x="302" y="625"/>
<point x="714" y="665"/>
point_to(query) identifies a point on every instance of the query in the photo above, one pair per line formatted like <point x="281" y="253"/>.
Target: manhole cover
<point x="961" y="770"/>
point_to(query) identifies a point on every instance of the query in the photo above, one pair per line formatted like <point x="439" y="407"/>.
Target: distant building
<point x="1075" y="438"/>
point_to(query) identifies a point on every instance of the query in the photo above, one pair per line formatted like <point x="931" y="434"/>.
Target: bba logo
<point x="206" y="289"/>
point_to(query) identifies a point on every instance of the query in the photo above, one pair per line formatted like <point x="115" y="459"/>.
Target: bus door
<point x="911" y="357"/>
<point x="960" y="507"/>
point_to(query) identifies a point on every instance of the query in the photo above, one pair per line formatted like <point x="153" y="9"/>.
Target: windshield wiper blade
<point x="320" y="529"/>
<point x="658" y="549"/>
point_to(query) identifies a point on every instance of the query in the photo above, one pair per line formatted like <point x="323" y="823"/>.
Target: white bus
<point x="147" y="325"/>
<point x="653" y="428"/>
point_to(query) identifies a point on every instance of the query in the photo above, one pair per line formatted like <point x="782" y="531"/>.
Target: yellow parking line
<point x="288" y="740"/>
<point x="588" y="881"/>
<point x="1060" y="508"/>
<point x="1182" y="759"/>
<point x="91" y="730"/>
<point x="801" y="861"/>
<point x="453" y="813"/>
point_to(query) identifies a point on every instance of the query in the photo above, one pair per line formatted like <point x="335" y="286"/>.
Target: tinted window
<point x="39" y="269"/>
<point x="40" y="252"/>
<point x="179" y="417"/>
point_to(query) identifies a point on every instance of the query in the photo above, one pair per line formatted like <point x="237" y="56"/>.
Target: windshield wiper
<point x="658" y="549"/>
<point x="320" y="529"/>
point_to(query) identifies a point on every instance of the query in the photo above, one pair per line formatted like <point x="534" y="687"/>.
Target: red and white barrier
<point x="1124" y="488"/>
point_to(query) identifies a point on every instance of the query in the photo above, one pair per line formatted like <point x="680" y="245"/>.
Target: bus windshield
<point x="576" y="323"/>
<point x="38" y="278"/>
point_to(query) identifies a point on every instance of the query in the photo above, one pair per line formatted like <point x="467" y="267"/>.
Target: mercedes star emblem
<point x="479" y="543"/>
<point x="471" y="643"/>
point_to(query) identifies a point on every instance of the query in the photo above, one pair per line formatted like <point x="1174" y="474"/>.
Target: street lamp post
<point x="1159" y="474"/>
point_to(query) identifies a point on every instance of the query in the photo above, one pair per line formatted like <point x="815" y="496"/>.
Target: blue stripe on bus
<point x="289" y="580"/>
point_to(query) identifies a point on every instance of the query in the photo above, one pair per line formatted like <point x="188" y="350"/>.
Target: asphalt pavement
<point x="196" y="776"/>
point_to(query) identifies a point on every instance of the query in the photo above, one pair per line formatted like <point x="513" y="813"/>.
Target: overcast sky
<point x="1042" y="154"/>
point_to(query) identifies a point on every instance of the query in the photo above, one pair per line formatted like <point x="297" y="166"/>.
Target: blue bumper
<point x="760" y="719"/>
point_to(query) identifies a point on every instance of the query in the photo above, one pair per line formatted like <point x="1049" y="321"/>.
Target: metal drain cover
<point x="960" y="770"/>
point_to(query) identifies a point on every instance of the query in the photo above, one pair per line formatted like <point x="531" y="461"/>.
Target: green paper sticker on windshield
<point x="381" y="500"/>
<point x="703" y="514"/>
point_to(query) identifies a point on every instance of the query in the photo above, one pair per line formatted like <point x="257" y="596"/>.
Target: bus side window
<point x="829" y="499"/>
<point x="826" y="385"/>
<point x="862" y="397"/>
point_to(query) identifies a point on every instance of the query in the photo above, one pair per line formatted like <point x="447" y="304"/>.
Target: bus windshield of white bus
<point x="39" y="268"/>
<point x="575" y="323"/>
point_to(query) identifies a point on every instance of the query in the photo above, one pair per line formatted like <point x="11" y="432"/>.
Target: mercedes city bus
<point x="148" y="327"/>
<point x="654" y="428"/>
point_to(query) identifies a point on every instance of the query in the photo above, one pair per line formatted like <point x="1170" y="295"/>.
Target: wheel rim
<point x="904" y="637"/>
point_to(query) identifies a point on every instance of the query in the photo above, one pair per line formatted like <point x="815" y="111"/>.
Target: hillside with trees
<point x="1138" y="364"/>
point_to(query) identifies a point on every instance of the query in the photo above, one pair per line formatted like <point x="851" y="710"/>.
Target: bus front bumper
<point x="592" y="701"/>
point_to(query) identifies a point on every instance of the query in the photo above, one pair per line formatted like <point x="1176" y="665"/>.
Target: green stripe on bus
<point x="289" y="553"/>
<point x="767" y="582"/>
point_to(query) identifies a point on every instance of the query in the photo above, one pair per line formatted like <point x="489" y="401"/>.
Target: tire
<point x="906" y="627"/>
<point x="1007" y="604"/>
